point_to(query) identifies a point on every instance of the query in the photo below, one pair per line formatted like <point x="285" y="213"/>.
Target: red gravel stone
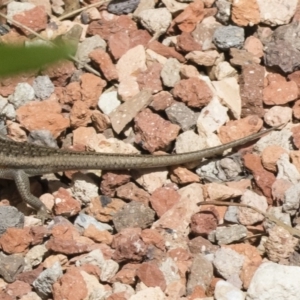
<point x="193" y="91"/>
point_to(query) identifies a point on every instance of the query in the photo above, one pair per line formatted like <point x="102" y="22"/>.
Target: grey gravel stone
<point x="280" y="138"/>
<point x="201" y="245"/>
<point x="264" y="34"/>
<point x="231" y="214"/>
<point x="231" y="166"/>
<point x="180" y="114"/>
<point x="283" y="55"/>
<point x="288" y="33"/>
<point x="226" y="37"/>
<point x="208" y="170"/>
<point x="22" y="94"/>
<point x="291" y="199"/>
<point x="10" y="217"/>
<point x="43" y="284"/>
<point x="42" y="138"/>
<point x="226" y="169"/>
<point x="227" y="235"/>
<point x="3" y="128"/>
<point x="87" y="46"/>
<point x="201" y="273"/>
<point x="294" y="259"/>
<point x="278" y="213"/>
<point x="224" y="11"/>
<point x="251" y="90"/>
<point x="241" y="58"/>
<point x="85" y="18"/>
<point x="120" y="7"/>
<point x="133" y="214"/>
<point x="4" y="29"/>
<point x="11" y="266"/>
<point x="83" y="221"/>
<point x="43" y="87"/>
<point x="212" y="237"/>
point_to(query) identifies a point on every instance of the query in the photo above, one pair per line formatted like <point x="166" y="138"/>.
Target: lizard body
<point x="19" y="161"/>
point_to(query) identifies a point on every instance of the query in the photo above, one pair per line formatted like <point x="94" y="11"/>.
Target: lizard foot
<point x="43" y="214"/>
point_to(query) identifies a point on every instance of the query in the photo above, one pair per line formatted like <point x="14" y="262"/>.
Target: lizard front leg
<point x="22" y="182"/>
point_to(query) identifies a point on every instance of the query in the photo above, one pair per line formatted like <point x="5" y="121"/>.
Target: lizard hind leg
<point x="22" y="182"/>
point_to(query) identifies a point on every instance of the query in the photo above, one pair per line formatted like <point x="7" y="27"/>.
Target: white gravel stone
<point x="150" y="293"/>
<point x="84" y="188"/>
<point x="155" y="57"/>
<point x="207" y="58"/>
<point x="226" y="291"/>
<point x="14" y="8"/>
<point x="189" y="141"/>
<point x="131" y="63"/>
<point x="272" y="281"/>
<point x="108" y="270"/>
<point x="174" y="6"/>
<point x="228" y="262"/>
<point x="170" y="270"/>
<point x="212" y="116"/>
<point x="228" y="90"/>
<point x="7" y="109"/>
<point x="277" y="115"/>
<point x="110" y="145"/>
<point x="144" y="4"/>
<point x="156" y="20"/>
<point x="224" y="70"/>
<point x="286" y="170"/>
<point x="118" y="287"/>
<point x="276" y="12"/>
<point x="170" y="73"/>
<point x="248" y="216"/>
<point x="108" y="102"/>
<point x="34" y="256"/>
<point x="151" y="180"/>
<point x="95" y="290"/>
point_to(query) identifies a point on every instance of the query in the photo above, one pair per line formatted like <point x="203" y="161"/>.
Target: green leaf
<point x="18" y="59"/>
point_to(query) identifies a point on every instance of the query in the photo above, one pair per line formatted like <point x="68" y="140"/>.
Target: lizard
<point x="19" y="161"/>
